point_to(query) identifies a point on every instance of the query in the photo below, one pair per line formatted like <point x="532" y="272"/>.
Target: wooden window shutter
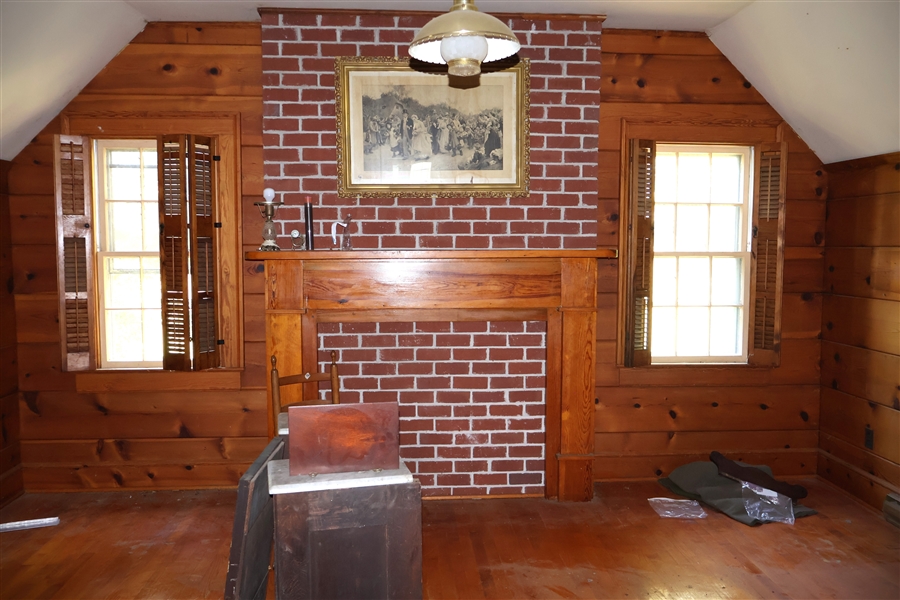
<point x="187" y="252"/>
<point x="203" y="251"/>
<point x="174" y="251"/>
<point x="766" y="278"/>
<point x="642" y="154"/>
<point x="75" y="251"/>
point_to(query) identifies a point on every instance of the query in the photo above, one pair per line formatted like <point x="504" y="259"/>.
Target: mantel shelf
<point x="429" y="254"/>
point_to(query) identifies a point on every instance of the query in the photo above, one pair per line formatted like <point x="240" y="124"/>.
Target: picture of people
<point x="401" y="130"/>
<point x="417" y="133"/>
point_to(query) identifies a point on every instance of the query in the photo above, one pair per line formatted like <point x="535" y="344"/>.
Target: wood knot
<point x="636" y="405"/>
<point x="188" y="467"/>
<point x="806" y="296"/>
<point x="614" y="80"/>
<point x="673" y="414"/>
<point x="614" y="217"/>
<point x="641" y="83"/>
<point x="831" y="268"/>
<point x="716" y="80"/>
<point x="214" y="71"/>
<point x="748" y="85"/>
<point x="168" y="67"/>
<point x="804" y="415"/>
<point x="764" y="406"/>
<point x="715" y="405"/>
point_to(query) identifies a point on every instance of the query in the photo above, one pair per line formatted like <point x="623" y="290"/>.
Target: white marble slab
<point x="282" y="482"/>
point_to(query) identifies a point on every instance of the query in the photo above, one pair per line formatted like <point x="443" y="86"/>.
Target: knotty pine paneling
<point x="860" y="409"/>
<point x="164" y="424"/>
<point x="672" y="87"/>
<point x="10" y="452"/>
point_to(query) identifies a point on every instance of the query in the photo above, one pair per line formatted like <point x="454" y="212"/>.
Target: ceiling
<point x="831" y="68"/>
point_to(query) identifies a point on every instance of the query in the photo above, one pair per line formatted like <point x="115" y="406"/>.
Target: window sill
<point x="140" y="380"/>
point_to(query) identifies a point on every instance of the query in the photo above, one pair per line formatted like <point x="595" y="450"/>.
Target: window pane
<point x="666" y="177"/>
<point x="724" y="229"/>
<point x="691" y="228"/>
<point x="153" y="340"/>
<point x="151" y="286"/>
<point x="151" y="184"/>
<point x="726" y="281"/>
<point x="124" y="183"/>
<point x="125" y="227"/>
<point x="693" y="332"/>
<point x="726" y="178"/>
<point x="124" y="157"/>
<point x="664" y="228"/>
<point x="693" y="177"/>
<point x="726" y="325"/>
<point x="123" y="282"/>
<point x="662" y="340"/>
<point x="664" y="281"/>
<point x="124" y="335"/>
<point x="693" y="281"/>
<point x="151" y="227"/>
<point x="150" y="159"/>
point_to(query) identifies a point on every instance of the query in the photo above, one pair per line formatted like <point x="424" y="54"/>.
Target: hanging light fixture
<point x="463" y="39"/>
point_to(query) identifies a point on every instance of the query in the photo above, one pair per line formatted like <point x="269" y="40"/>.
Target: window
<point x="127" y="257"/>
<point x="704" y="254"/>
<point x="154" y="254"/>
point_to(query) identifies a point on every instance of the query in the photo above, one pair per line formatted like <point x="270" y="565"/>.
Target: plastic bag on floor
<point x="677" y="509"/>
<point x="767" y="505"/>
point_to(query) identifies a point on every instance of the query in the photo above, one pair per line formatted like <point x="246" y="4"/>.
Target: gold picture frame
<point x="417" y="132"/>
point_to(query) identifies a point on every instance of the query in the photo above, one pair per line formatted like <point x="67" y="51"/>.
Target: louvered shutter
<point x="768" y="254"/>
<point x="642" y="154"/>
<point x="203" y="251"/>
<point x="174" y="251"/>
<point x="75" y="251"/>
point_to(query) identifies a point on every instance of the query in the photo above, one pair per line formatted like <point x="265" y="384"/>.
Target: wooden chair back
<point x="302" y="379"/>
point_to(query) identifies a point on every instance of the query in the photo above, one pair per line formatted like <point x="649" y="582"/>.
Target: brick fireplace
<point x="488" y="433"/>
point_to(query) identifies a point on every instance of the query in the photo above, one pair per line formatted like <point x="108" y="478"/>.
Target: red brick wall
<point x="471" y="398"/>
<point x="300" y="153"/>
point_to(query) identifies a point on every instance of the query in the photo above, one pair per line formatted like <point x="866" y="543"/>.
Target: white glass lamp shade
<point x="461" y="29"/>
<point x="463" y="54"/>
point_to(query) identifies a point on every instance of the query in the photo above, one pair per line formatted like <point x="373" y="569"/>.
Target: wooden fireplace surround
<point x="556" y="286"/>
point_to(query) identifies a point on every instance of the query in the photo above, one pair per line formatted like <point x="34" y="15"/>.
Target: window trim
<point x="764" y="137"/>
<point x="225" y="127"/>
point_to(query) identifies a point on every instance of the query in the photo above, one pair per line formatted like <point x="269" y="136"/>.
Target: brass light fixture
<point x="463" y="39"/>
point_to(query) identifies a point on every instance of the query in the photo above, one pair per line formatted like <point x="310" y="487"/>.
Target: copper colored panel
<point x="340" y="438"/>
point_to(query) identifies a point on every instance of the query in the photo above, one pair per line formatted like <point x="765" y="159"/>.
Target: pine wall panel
<point x="860" y="420"/>
<point x="650" y="420"/>
<point x="10" y="446"/>
<point x="159" y="431"/>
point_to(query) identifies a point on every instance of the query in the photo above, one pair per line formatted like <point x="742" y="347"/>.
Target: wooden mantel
<point x="556" y="286"/>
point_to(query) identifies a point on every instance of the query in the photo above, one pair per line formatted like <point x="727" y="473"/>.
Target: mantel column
<point x="578" y="341"/>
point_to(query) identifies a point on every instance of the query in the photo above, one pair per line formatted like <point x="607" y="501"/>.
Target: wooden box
<point x="341" y="438"/>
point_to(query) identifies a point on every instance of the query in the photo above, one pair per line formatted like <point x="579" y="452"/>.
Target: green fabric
<point x="701" y="481"/>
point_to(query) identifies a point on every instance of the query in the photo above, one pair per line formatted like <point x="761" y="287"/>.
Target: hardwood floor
<point x="175" y="545"/>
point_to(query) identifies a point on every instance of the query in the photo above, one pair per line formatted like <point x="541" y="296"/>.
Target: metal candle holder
<point x="267" y="211"/>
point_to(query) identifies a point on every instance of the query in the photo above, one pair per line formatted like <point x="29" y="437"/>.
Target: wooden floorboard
<point x="175" y="545"/>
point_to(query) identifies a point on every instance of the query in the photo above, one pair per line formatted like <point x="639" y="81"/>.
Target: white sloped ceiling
<point x="831" y="69"/>
<point x="48" y="52"/>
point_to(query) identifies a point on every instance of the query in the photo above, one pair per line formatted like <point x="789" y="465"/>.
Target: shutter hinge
<point x="217" y="225"/>
<point x="220" y="342"/>
<point x="216" y="157"/>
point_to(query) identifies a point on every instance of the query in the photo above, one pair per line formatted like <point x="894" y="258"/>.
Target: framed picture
<point x="402" y="131"/>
